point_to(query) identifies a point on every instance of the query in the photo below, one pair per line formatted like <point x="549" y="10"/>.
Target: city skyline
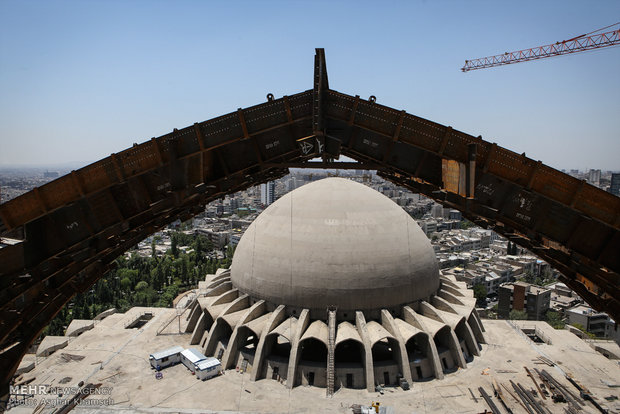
<point x="83" y="80"/>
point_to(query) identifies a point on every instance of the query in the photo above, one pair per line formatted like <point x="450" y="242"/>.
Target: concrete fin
<point x="431" y="326"/>
<point x="387" y="320"/>
<point x="293" y="361"/>
<point x="450" y="297"/>
<point x="430" y="312"/>
<point x="272" y="321"/>
<point x="360" y="323"/>
<point x="218" y="282"/>
<point x="442" y="304"/>
<point x="226" y="297"/>
<point x="218" y="290"/>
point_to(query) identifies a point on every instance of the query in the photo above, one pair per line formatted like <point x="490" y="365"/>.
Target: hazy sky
<point x="82" y="79"/>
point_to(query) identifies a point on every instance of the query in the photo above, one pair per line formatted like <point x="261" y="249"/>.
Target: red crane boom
<point x="577" y="44"/>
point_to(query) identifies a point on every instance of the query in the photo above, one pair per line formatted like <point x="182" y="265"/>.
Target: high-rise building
<point x="291" y="184"/>
<point x="267" y="193"/>
<point x="594" y="177"/>
<point x="521" y="296"/>
<point x="594" y="322"/>
<point x="614" y="188"/>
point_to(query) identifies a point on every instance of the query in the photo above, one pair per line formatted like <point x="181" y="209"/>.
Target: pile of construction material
<point x="548" y="390"/>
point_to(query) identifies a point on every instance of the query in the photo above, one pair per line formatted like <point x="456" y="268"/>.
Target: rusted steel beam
<point x="77" y="183"/>
<point x="324" y="165"/>
<point x="489" y="157"/>
<point x="444" y="141"/>
<point x="535" y="169"/>
<point x="246" y="135"/>
<point x="395" y="137"/>
<point x="118" y="167"/>
<point x="42" y="206"/>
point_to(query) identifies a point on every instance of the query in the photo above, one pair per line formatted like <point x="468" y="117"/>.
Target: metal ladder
<point x="176" y="316"/>
<point x="331" y="324"/>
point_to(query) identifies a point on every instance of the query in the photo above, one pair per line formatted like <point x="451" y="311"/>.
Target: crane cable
<point x="587" y="34"/>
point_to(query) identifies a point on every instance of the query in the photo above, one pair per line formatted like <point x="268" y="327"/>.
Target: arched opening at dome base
<point x="467" y="341"/>
<point x="218" y="338"/>
<point x="201" y="330"/>
<point x="312" y="367"/>
<point x="385" y="361"/>
<point x="349" y="362"/>
<point x="419" y="353"/>
<point x="447" y="349"/>
<point x="243" y="349"/>
<point x="277" y="349"/>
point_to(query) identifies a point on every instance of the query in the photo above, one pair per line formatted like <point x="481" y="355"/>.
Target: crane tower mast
<point x="576" y="44"/>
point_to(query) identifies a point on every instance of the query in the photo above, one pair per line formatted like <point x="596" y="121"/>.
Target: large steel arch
<point x="68" y="232"/>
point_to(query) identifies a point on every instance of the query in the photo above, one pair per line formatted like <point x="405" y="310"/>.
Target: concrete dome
<point x="335" y="242"/>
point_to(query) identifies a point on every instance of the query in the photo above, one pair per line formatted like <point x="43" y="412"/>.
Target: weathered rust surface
<point x="74" y="227"/>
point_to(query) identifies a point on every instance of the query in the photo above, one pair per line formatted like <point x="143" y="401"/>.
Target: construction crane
<point x="588" y="41"/>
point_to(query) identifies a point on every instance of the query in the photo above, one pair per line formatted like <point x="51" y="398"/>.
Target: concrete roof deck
<point x="118" y="358"/>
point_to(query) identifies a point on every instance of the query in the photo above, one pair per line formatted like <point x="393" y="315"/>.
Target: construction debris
<point x="545" y="360"/>
<point x="472" y="395"/>
<point x="515" y="397"/>
<point x="70" y="357"/>
<point x="609" y="384"/>
<point x="559" y="392"/>
<point x="84" y="392"/>
<point x="585" y="394"/>
<point x="500" y="395"/>
<point x="529" y="374"/>
<point x="489" y="402"/>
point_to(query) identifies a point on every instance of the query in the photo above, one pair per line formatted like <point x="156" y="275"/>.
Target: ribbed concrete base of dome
<point x="427" y="340"/>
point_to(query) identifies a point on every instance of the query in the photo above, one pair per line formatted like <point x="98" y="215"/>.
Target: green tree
<point x="480" y="293"/>
<point x="554" y="319"/>
<point x="583" y="329"/>
<point x="529" y="277"/>
<point x="466" y="224"/>
<point x="143" y="281"/>
<point x="141" y="286"/>
<point x="126" y="284"/>
<point x="517" y="315"/>
<point x="174" y="245"/>
<point x="168" y="296"/>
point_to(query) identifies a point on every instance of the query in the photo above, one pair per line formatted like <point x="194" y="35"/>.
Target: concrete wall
<point x="357" y="370"/>
<point x="425" y="366"/>
<point x="249" y="356"/>
<point x="276" y="362"/>
<point x="449" y="363"/>
<point x="381" y="367"/>
<point x="320" y="373"/>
